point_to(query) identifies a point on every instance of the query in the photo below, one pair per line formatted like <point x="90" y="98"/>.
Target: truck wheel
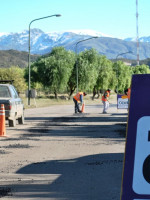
<point x="21" y="120"/>
<point x="12" y="123"/>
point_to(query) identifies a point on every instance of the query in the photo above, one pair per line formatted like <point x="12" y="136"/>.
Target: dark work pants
<point x="77" y="107"/>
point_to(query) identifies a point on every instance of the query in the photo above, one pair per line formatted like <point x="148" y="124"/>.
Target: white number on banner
<point x="141" y="173"/>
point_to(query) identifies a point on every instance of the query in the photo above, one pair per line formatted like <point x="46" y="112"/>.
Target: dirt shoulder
<point x="61" y="155"/>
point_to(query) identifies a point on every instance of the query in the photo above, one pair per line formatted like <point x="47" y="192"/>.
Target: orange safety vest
<point x="77" y="96"/>
<point x="129" y="93"/>
<point x="107" y="95"/>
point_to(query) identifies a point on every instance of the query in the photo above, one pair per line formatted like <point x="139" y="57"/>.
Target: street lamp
<point x="76" y="55"/>
<point x="29" y="79"/>
<point x="123" y="54"/>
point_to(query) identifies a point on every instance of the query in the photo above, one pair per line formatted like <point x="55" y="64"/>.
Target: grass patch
<point x="46" y="101"/>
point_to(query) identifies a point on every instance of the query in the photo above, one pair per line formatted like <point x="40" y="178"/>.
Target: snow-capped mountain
<point x="89" y="32"/>
<point x="42" y="43"/>
<point x="141" y="39"/>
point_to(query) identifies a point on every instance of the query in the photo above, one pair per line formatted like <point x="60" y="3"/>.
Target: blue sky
<point x="112" y="17"/>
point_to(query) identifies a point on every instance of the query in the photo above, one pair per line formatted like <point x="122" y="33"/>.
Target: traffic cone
<point x="83" y="106"/>
<point x="2" y="121"/>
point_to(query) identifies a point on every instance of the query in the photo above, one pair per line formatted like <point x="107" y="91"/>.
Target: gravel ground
<point x="57" y="154"/>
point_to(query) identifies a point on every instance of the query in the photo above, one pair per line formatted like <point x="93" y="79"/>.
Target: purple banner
<point x="136" y="173"/>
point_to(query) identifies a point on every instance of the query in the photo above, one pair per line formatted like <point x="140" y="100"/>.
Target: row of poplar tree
<point x="57" y="72"/>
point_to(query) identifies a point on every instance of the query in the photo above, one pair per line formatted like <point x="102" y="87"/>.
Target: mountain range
<point x="42" y="43"/>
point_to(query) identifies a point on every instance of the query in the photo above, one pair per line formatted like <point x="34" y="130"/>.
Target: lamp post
<point x="76" y="55"/>
<point x="29" y="78"/>
<point x="123" y="54"/>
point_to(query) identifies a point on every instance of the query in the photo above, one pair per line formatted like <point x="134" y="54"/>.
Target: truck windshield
<point x="4" y="92"/>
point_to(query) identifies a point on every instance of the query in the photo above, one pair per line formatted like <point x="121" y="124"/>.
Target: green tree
<point x="87" y="63"/>
<point x="54" y="71"/>
<point x="106" y="76"/>
<point x="141" y="69"/>
<point x="123" y="75"/>
<point x="88" y="68"/>
<point x="16" y="74"/>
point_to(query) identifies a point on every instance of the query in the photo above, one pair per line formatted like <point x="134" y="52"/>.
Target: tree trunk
<point x="98" y="93"/>
<point x="94" y="93"/>
<point x="55" y="93"/>
<point x="71" y="92"/>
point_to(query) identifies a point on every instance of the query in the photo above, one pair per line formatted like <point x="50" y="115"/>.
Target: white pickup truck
<point x="14" y="107"/>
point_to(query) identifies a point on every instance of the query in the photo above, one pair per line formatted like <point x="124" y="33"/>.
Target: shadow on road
<point x="91" y="177"/>
<point x="83" y="178"/>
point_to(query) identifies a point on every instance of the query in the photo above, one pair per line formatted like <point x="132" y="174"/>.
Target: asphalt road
<point x="57" y="155"/>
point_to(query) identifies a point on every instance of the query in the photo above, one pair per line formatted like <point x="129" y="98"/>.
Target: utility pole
<point x="137" y="32"/>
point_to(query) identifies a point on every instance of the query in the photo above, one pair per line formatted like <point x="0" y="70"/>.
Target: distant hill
<point x="42" y="43"/>
<point x="145" y="62"/>
<point x="11" y="57"/>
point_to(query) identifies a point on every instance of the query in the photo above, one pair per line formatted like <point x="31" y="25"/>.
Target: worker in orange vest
<point x="128" y="93"/>
<point x="105" y="100"/>
<point x="78" y="98"/>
